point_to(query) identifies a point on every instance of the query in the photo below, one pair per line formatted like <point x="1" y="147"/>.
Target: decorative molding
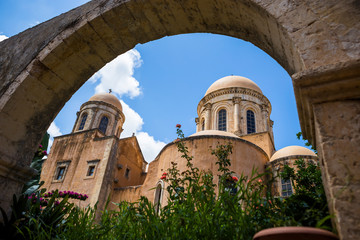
<point x="335" y="82"/>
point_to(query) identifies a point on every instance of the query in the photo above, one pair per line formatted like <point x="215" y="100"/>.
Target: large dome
<point x="233" y="81"/>
<point x="292" y="151"/>
<point x="108" y="98"/>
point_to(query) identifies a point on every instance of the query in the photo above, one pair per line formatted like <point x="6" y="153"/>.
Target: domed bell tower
<point x="103" y="111"/>
<point x="237" y="105"/>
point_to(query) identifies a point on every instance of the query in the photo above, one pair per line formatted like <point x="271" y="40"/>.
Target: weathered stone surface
<point x="338" y="141"/>
<point x="52" y="60"/>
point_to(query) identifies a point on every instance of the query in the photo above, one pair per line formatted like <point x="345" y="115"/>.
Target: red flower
<point x="163" y="177"/>
<point x="178" y="125"/>
<point x="235" y="179"/>
<point x="259" y="180"/>
<point x="164" y="173"/>
<point x="176" y="140"/>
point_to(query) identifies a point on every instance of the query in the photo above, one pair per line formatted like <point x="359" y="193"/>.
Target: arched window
<point x="157" y="201"/>
<point x="83" y="121"/>
<point x="103" y="124"/>
<point x="203" y="125"/>
<point x="222" y="120"/>
<point x="250" y="120"/>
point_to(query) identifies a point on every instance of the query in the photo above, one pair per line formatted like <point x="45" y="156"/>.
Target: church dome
<point x="107" y="98"/>
<point x="292" y="151"/>
<point x="233" y="81"/>
<point x="213" y="132"/>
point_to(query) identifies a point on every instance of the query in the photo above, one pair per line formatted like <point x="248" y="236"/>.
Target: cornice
<point x="233" y="90"/>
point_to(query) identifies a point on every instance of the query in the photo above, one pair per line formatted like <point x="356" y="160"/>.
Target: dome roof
<point x="108" y="98"/>
<point x="233" y="81"/>
<point x="292" y="151"/>
<point x="213" y="132"/>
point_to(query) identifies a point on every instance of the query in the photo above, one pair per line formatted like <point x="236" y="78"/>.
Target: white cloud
<point x="118" y="75"/>
<point x="149" y="146"/>
<point x="133" y="124"/>
<point x="3" y="37"/>
<point x="133" y="121"/>
<point x="54" y="131"/>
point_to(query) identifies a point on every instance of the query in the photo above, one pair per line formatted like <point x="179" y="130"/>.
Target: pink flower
<point x="259" y="180"/>
<point x="235" y="179"/>
<point x="178" y="125"/>
<point x="45" y="152"/>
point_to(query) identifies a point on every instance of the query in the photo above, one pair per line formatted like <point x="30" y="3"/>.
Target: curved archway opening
<point x="54" y="59"/>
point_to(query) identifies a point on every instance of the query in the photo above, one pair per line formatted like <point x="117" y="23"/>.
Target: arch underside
<point x="42" y="67"/>
<point x="55" y="58"/>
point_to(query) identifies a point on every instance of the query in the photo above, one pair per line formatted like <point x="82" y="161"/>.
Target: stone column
<point x="236" y="102"/>
<point x="264" y="114"/>
<point x="207" y="116"/>
<point x="197" y="124"/>
<point x="94" y="113"/>
<point x="76" y="121"/>
<point x="337" y="126"/>
<point x="113" y="131"/>
<point x="328" y="102"/>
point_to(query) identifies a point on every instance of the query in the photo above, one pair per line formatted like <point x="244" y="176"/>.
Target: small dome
<point x="292" y="151"/>
<point x="213" y="132"/>
<point x="108" y="98"/>
<point x="233" y="81"/>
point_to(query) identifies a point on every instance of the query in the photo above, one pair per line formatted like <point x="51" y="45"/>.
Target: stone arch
<point x="99" y="118"/>
<point x="216" y="107"/>
<point x="158" y="195"/>
<point x="80" y="119"/>
<point x="258" y="118"/>
<point x="317" y="42"/>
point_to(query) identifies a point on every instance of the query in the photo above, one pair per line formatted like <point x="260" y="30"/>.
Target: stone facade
<point x="92" y="161"/>
<point x="316" y="41"/>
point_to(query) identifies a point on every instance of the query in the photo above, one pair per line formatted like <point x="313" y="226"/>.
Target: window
<point x="222" y="120"/>
<point x="203" y="125"/>
<point x="286" y="189"/>
<point x="83" y="121"/>
<point x="158" y="195"/>
<point x="103" y="124"/>
<point x="250" y="120"/>
<point x="60" y="173"/>
<point x="91" y="171"/>
<point x="127" y="172"/>
<point x="91" y="168"/>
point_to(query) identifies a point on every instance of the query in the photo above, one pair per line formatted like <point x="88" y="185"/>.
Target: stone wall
<point x="245" y="157"/>
<point x="317" y="41"/>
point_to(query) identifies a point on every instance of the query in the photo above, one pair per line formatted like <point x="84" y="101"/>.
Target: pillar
<point x="264" y="116"/>
<point x="197" y="124"/>
<point x="207" y="116"/>
<point x="236" y="102"/>
<point x="328" y="102"/>
<point x="337" y="126"/>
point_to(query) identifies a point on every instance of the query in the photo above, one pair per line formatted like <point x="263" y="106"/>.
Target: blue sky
<point x="161" y="82"/>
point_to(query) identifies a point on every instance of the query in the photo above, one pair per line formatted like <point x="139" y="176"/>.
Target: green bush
<point x="195" y="209"/>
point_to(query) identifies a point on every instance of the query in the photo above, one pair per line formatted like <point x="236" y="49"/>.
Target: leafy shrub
<point x="238" y="209"/>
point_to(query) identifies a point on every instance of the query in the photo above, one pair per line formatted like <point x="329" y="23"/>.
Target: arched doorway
<point x="315" y="41"/>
